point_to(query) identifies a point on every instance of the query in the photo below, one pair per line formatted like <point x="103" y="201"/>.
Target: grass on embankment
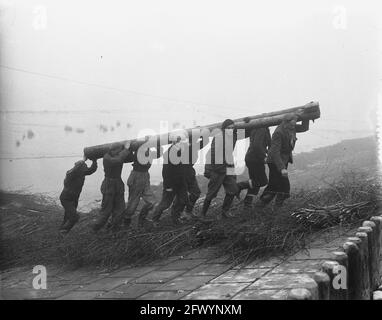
<point x="29" y="234"/>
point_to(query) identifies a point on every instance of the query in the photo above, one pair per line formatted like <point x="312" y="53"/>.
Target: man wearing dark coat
<point x="113" y="188"/>
<point x="279" y="156"/>
<point x="255" y="158"/>
<point x="73" y="183"/>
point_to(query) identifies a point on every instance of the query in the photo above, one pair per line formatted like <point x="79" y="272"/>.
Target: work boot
<point x="206" y="205"/>
<point x="279" y="202"/>
<point x="227" y="202"/>
<point x="142" y="221"/>
<point x="154" y="221"/>
<point x="248" y="201"/>
<point x="241" y="186"/>
<point x="69" y="224"/>
<point x="63" y="222"/>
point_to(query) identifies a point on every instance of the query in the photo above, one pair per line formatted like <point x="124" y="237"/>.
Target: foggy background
<point x="81" y="73"/>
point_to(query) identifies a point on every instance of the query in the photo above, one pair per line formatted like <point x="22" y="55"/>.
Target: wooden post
<point x="311" y="111"/>
<point x="365" y="265"/>
<point x="354" y="270"/>
<point x="342" y="259"/>
<point x="299" y="294"/>
<point x="323" y="284"/>
<point x="335" y="293"/>
<point x="378" y="223"/>
<point x="373" y="256"/>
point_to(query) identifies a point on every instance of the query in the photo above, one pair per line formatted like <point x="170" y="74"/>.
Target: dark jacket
<point x="219" y="160"/>
<point x="173" y="174"/>
<point x="259" y="143"/>
<point x="75" y="178"/>
<point x="217" y="155"/>
<point x="112" y="165"/>
<point x="143" y="167"/>
<point x="282" y="145"/>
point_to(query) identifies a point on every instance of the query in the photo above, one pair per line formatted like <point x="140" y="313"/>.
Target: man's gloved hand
<point x="284" y="173"/>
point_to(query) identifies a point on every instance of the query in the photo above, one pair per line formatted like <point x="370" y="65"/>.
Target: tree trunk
<point x="311" y="112"/>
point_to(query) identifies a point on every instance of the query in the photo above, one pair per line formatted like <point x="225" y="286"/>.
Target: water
<point x="38" y="148"/>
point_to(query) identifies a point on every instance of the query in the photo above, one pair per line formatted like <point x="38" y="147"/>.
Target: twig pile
<point x="337" y="214"/>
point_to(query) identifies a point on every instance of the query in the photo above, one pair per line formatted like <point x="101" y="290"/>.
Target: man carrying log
<point x="279" y="156"/>
<point x="139" y="184"/>
<point x="73" y="183"/>
<point x="220" y="171"/>
<point x="255" y="159"/>
<point x="113" y="188"/>
<point x="193" y="189"/>
<point x="174" y="181"/>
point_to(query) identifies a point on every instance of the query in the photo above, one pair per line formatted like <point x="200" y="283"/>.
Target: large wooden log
<point x="309" y="111"/>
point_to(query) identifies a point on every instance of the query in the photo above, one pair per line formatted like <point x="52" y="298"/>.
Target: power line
<point x="41" y="157"/>
<point x="118" y="89"/>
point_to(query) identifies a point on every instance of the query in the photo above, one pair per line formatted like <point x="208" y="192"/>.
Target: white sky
<point x="247" y="56"/>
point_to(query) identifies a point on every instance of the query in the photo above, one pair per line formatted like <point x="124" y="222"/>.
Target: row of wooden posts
<point x="360" y="257"/>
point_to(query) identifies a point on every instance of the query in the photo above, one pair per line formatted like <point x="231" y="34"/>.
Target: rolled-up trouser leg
<point x="105" y="212"/>
<point x="165" y="203"/>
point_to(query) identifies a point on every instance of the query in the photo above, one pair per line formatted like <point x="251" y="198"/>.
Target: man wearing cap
<point x="279" y="156"/>
<point x="139" y="184"/>
<point x="255" y="158"/>
<point x="220" y="170"/>
<point x="73" y="183"/>
<point x="113" y="188"/>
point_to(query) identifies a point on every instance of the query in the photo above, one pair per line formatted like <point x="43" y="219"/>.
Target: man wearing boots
<point x="279" y="156"/>
<point x="174" y="182"/>
<point x="220" y="171"/>
<point x="139" y="185"/>
<point x="193" y="189"/>
<point x="73" y="183"/>
<point x="113" y="188"/>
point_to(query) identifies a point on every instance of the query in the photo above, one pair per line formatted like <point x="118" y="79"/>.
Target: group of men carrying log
<point x="180" y="187"/>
